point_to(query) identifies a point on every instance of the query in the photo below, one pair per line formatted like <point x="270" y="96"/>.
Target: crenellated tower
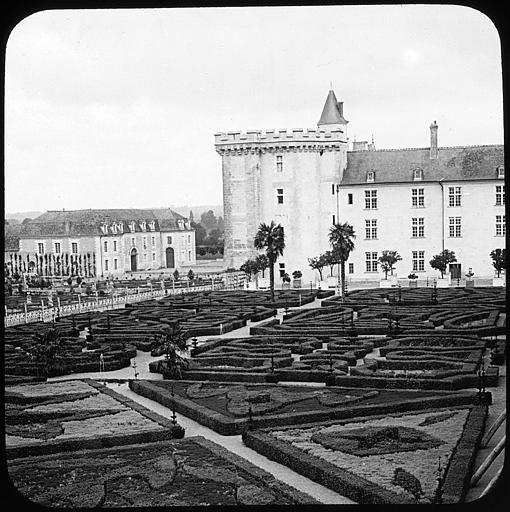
<point x="288" y="176"/>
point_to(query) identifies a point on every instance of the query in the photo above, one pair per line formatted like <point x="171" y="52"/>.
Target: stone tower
<point x="288" y="176"/>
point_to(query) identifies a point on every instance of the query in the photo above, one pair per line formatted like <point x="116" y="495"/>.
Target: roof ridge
<point x="425" y="148"/>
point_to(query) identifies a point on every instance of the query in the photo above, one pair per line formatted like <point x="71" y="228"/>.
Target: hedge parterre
<point x="187" y="472"/>
<point x="72" y="415"/>
<point x="229" y="408"/>
<point x="420" y="457"/>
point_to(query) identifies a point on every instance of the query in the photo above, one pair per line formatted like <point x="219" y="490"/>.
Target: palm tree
<point x="341" y="239"/>
<point x="271" y="238"/>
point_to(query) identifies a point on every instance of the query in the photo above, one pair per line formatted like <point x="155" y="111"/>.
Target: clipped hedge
<point x="322" y="472"/>
<point x="460" y="469"/>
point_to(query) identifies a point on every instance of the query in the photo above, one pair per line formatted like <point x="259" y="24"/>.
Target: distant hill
<point x="198" y="210"/>
<point x="183" y="210"/>
<point x="22" y="215"/>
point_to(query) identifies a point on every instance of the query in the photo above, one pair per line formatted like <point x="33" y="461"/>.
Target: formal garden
<point x="379" y="395"/>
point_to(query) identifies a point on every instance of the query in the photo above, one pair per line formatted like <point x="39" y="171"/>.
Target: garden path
<point x="497" y="407"/>
<point x="236" y="445"/>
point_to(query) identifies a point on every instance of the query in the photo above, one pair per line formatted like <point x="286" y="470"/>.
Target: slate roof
<point x="332" y="111"/>
<point x="460" y="163"/>
<point x="89" y="222"/>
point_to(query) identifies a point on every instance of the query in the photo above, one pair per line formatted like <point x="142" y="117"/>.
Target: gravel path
<point x="236" y="445"/>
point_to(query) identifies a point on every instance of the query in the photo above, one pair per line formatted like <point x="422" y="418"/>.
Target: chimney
<point x="433" y="141"/>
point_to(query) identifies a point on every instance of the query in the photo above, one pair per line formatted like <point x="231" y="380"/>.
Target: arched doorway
<point x="170" y="258"/>
<point x="133" y="259"/>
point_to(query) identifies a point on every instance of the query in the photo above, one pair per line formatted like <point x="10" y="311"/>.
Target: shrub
<point x="408" y="482"/>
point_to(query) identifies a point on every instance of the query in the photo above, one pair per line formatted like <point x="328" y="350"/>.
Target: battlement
<point x="280" y="135"/>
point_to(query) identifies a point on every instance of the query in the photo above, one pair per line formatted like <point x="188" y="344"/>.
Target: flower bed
<point x="188" y="472"/>
<point x="72" y="415"/>
<point x="384" y="459"/>
<point x="284" y="405"/>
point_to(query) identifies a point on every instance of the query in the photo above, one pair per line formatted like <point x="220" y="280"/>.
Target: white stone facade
<point x="306" y="180"/>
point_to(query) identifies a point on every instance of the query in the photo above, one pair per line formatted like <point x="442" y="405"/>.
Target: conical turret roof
<point x="332" y="113"/>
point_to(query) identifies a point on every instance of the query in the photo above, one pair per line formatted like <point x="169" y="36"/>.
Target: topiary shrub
<point x="408" y="482"/>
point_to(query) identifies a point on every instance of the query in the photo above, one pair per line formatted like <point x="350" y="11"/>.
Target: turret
<point x="332" y="116"/>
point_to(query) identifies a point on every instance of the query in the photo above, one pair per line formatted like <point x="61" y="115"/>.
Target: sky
<point x="118" y="108"/>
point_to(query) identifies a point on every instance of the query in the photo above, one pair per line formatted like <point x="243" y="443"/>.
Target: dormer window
<point x="370" y="176"/>
<point x="501" y="171"/>
<point x="418" y="174"/>
<point x="114" y="228"/>
<point x="104" y="228"/>
<point x="119" y="226"/>
<point x="180" y="224"/>
<point x="143" y="225"/>
<point x="152" y="225"/>
<point x="132" y="226"/>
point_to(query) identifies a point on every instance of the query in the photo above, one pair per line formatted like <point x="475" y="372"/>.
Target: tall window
<point x="105" y="246"/>
<point x="106" y="264"/>
<point x="168" y="240"/>
<point x="333" y="219"/>
<point x="500" y="225"/>
<point x="133" y="242"/>
<point x="115" y="264"/>
<point x="145" y="242"/>
<point x="370" y="199"/>
<point x="74" y="247"/>
<point x="153" y="256"/>
<point x="371" y="261"/>
<point x="332" y="188"/>
<point x="279" y="163"/>
<point x="418" y="227"/>
<point x="40" y="248"/>
<point x="351" y="268"/>
<point x="500" y="194"/>
<point x="115" y="246"/>
<point x="153" y="241"/>
<point x="57" y="248"/>
<point x="418" y="197"/>
<point x="279" y="195"/>
<point x="349" y="198"/>
<point x="370" y="229"/>
<point x="281" y="268"/>
<point x="455" y="227"/>
<point x="418" y="261"/>
<point x="454" y="196"/>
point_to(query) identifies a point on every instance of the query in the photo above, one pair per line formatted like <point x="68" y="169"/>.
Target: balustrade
<point x="116" y="301"/>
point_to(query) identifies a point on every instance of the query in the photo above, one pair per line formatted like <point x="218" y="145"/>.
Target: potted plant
<point x="413" y="280"/>
<point x="387" y="261"/>
<point x="499" y="263"/>
<point x="331" y="260"/>
<point x="285" y="281"/>
<point x="318" y="263"/>
<point x="470" y="282"/>
<point x="296" y="283"/>
<point x="250" y="268"/>
<point x="262" y="262"/>
<point x="440" y="262"/>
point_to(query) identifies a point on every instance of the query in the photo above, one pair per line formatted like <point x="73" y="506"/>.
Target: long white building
<point x="417" y="201"/>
